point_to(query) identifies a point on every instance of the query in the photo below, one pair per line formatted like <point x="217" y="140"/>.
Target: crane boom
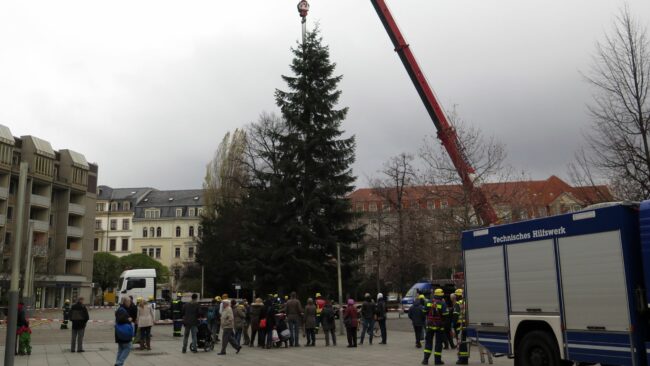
<point x="446" y="132"/>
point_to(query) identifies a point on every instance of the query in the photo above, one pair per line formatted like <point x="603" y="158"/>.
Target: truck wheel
<point x="537" y="349"/>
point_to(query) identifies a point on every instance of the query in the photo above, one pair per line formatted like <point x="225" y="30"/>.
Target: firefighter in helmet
<point x="436" y="312"/>
<point x="461" y="331"/>
<point x="177" y="307"/>
<point x="66" y="314"/>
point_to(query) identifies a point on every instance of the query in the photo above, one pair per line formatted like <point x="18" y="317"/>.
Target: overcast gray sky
<point x="147" y="89"/>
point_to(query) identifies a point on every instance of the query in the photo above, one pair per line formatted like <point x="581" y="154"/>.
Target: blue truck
<point x="562" y="289"/>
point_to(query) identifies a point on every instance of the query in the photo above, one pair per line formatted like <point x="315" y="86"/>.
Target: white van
<point x="137" y="283"/>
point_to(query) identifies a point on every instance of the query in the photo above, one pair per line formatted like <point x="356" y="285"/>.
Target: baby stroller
<point x="283" y="331"/>
<point x="204" y="336"/>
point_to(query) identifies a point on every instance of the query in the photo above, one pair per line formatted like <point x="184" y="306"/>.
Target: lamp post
<point x="340" y="283"/>
<point x="303" y="9"/>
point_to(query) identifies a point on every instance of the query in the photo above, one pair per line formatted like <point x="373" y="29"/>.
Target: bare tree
<point x="617" y="147"/>
<point x="226" y="174"/>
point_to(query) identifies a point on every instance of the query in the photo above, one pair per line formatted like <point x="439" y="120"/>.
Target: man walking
<point x="228" y="324"/>
<point x="436" y="312"/>
<point x="368" y="310"/>
<point x="191" y="322"/>
<point x="79" y="317"/>
<point x="294" y="311"/>
<point x="123" y="331"/>
<point x="381" y="316"/>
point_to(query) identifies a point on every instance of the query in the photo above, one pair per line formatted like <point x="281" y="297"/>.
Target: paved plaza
<point x="50" y="347"/>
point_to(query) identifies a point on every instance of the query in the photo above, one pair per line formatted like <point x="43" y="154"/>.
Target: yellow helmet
<point x="318" y="294"/>
<point x="421" y="297"/>
<point x="67" y="301"/>
<point x="179" y="294"/>
<point x="218" y="298"/>
<point x="438" y="292"/>
<point x="459" y="292"/>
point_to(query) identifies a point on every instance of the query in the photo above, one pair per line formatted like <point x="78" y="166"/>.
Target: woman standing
<point x="145" y="322"/>
<point x="256" y="315"/>
<point x="351" y="321"/>
<point x="310" y="322"/>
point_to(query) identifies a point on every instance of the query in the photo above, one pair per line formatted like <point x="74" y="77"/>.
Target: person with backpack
<point x="124" y="331"/>
<point x="368" y="313"/>
<point x="436" y="312"/>
<point x="79" y="317"/>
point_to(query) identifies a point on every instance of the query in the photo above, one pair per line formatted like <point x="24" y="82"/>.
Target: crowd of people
<point x="274" y="322"/>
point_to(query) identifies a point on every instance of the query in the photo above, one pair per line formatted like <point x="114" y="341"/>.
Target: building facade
<point x="166" y="225"/>
<point x="59" y="209"/>
<point x="420" y="224"/>
<point x="114" y="218"/>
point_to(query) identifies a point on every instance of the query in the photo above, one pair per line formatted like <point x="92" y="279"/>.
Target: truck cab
<point x="137" y="283"/>
<point x="569" y="287"/>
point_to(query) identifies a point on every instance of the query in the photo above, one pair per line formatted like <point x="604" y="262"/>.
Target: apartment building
<point x="60" y="209"/>
<point x="114" y="218"/>
<point x="166" y="225"/>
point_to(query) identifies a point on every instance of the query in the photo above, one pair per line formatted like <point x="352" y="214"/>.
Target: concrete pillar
<point x="62" y="300"/>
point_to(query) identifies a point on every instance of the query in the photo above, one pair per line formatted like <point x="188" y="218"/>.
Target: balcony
<point x="76" y="232"/>
<point x="3" y="220"/>
<point x="73" y="254"/>
<point x="4" y="193"/>
<point x="39" y="250"/>
<point x="76" y="209"/>
<point x="40" y="201"/>
<point x="40" y="226"/>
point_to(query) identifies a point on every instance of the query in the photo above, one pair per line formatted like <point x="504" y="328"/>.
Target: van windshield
<point x="119" y="283"/>
<point x="411" y="292"/>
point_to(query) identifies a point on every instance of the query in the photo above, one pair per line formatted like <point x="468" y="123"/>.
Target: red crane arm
<point x="446" y="133"/>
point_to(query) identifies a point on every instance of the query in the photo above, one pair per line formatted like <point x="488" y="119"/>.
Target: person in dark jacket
<point x="329" y="323"/>
<point x="351" y="321"/>
<point x="133" y="314"/>
<point x="122" y="317"/>
<point x="294" y="311"/>
<point x="191" y="322"/>
<point x="381" y="316"/>
<point x="256" y="315"/>
<point x="79" y="317"/>
<point x="417" y="314"/>
<point x="368" y="313"/>
<point x="270" y="308"/>
<point x="310" y="322"/>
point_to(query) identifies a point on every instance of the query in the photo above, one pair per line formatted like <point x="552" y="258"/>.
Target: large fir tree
<point x="315" y="173"/>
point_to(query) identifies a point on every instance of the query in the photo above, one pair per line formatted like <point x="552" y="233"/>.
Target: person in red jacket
<point x="351" y="321"/>
<point x="320" y="304"/>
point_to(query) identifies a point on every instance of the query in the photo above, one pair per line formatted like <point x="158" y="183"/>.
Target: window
<point x="191" y="231"/>
<point x="100" y="207"/>
<point x="7" y="238"/>
<point x="136" y="283"/>
<point x="190" y="252"/>
<point x="98" y="224"/>
<point x="113" y="206"/>
<point x="10" y="213"/>
<point x="200" y="231"/>
<point x="113" y="224"/>
<point x="144" y="232"/>
<point x="144" y="251"/>
<point x="359" y="207"/>
<point x="152" y="213"/>
<point x="126" y="205"/>
<point x="177" y="252"/>
<point x="151" y="251"/>
<point x="444" y="204"/>
<point x="158" y="253"/>
<point x="178" y="231"/>
<point x="372" y="207"/>
<point x="152" y="233"/>
<point x="190" y="212"/>
<point x="431" y="205"/>
<point x="96" y="244"/>
<point x="200" y="211"/>
<point x="112" y="245"/>
<point x="125" y="224"/>
<point x="385" y="206"/>
<point x="159" y="232"/>
<point x="125" y="245"/>
<point x="179" y="212"/>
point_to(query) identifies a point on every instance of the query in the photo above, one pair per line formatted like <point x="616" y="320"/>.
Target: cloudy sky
<point x="147" y="89"/>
